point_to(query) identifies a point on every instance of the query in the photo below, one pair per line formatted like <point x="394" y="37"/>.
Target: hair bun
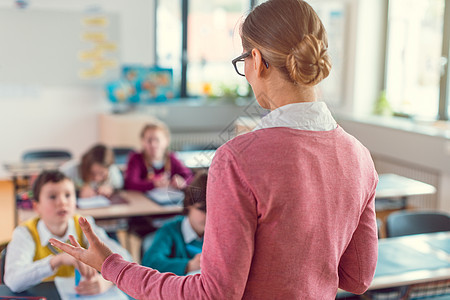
<point x="308" y="63"/>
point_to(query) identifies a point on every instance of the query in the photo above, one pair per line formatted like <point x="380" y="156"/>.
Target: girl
<point x="155" y="166"/>
<point x="96" y="174"/>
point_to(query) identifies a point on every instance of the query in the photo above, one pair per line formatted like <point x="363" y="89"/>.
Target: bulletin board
<point x="53" y="47"/>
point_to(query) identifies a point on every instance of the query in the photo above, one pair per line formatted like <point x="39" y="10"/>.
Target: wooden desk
<point x="8" y="210"/>
<point x="394" y="190"/>
<point x="32" y="167"/>
<point x="138" y="205"/>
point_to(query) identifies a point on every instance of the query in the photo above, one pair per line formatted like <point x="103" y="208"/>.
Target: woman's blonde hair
<point x="290" y="37"/>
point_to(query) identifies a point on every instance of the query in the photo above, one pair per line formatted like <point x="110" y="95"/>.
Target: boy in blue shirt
<point x="177" y="245"/>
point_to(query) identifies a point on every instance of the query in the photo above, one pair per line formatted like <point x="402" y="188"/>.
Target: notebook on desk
<point x="66" y="290"/>
<point x="100" y="201"/>
<point x="93" y="202"/>
<point x="166" y="196"/>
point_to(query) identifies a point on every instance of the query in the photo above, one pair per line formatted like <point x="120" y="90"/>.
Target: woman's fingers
<point x="66" y="248"/>
<point x="88" y="232"/>
<point x="74" y="241"/>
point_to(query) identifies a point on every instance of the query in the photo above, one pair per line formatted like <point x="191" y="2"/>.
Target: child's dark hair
<point x="46" y="176"/>
<point x="195" y="193"/>
<point x="99" y="154"/>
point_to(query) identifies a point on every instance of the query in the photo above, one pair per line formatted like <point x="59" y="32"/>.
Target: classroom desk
<point x="393" y="191"/>
<point x="412" y="259"/>
<point x="44" y="289"/>
<point x="196" y="159"/>
<point x="137" y="205"/>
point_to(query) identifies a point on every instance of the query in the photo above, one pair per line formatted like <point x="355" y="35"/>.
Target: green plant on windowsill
<point x="382" y="106"/>
<point x="229" y="93"/>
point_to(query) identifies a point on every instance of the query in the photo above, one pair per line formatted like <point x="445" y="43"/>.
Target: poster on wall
<point x="97" y="55"/>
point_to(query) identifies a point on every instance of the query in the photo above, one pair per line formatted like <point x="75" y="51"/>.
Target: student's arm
<point x="109" y="242"/>
<point x="115" y="177"/>
<point x="357" y="264"/>
<point x="136" y="175"/>
<point x="158" y="255"/>
<point x="21" y="272"/>
<point x="178" y="168"/>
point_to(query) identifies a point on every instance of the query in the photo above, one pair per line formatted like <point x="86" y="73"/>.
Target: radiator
<point x="199" y="141"/>
<point x="389" y="165"/>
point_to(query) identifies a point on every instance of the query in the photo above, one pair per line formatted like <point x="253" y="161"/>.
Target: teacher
<point x="290" y="204"/>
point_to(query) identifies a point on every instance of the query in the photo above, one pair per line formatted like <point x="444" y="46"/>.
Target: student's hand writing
<point x="194" y="263"/>
<point x="86" y="191"/>
<point x="94" y="256"/>
<point x="64" y="259"/>
<point x="178" y="182"/>
<point x="105" y="190"/>
<point x="94" y="285"/>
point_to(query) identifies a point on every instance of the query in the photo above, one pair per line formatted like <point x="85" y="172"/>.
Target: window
<point x="198" y="39"/>
<point x="415" y="58"/>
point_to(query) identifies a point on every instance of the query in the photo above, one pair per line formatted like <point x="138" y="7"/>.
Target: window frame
<point x="184" y="41"/>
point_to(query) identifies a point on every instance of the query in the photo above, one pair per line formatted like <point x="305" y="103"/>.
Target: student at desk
<point x="155" y="166"/>
<point x="178" y="244"/>
<point x="30" y="259"/>
<point x="96" y="174"/>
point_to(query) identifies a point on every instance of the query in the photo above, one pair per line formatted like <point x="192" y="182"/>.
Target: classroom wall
<point x="33" y="116"/>
<point x="66" y="116"/>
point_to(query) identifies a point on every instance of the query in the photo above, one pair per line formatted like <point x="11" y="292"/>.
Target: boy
<point x="30" y="258"/>
<point x="178" y="244"/>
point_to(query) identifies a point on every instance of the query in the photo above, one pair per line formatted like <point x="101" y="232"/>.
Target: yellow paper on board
<point x="95" y="21"/>
<point x="94" y="36"/>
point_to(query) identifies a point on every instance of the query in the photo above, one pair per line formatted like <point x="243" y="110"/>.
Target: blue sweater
<point x="168" y="251"/>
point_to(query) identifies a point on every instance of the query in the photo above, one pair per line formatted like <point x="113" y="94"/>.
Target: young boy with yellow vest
<point x="30" y="259"/>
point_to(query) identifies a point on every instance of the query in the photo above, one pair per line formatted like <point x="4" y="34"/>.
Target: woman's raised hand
<point x="94" y="256"/>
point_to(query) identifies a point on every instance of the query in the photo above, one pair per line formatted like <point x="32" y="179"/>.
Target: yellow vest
<point x="44" y="251"/>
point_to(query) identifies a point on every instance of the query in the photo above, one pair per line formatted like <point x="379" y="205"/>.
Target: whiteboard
<point x="43" y="47"/>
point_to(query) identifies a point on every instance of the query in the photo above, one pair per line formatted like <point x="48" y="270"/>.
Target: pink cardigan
<point x="290" y="216"/>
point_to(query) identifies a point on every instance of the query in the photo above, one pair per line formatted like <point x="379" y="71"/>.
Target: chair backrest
<point x="46" y="154"/>
<point x="415" y="222"/>
<point x="2" y="265"/>
<point x="121" y="154"/>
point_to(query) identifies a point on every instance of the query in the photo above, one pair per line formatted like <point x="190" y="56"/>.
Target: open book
<point x="93" y="202"/>
<point x="166" y="196"/>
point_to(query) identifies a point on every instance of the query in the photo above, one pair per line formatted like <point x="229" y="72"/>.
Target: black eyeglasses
<point x="239" y="63"/>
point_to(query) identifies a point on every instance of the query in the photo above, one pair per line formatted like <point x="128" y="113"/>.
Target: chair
<point x="34" y="155"/>
<point x="121" y="154"/>
<point x="415" y="222"/>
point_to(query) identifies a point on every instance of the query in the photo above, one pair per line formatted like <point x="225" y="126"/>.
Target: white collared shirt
<point x="21" y="272"/>
<point x="187" y="231"/>
<point x="313" y="116"/>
